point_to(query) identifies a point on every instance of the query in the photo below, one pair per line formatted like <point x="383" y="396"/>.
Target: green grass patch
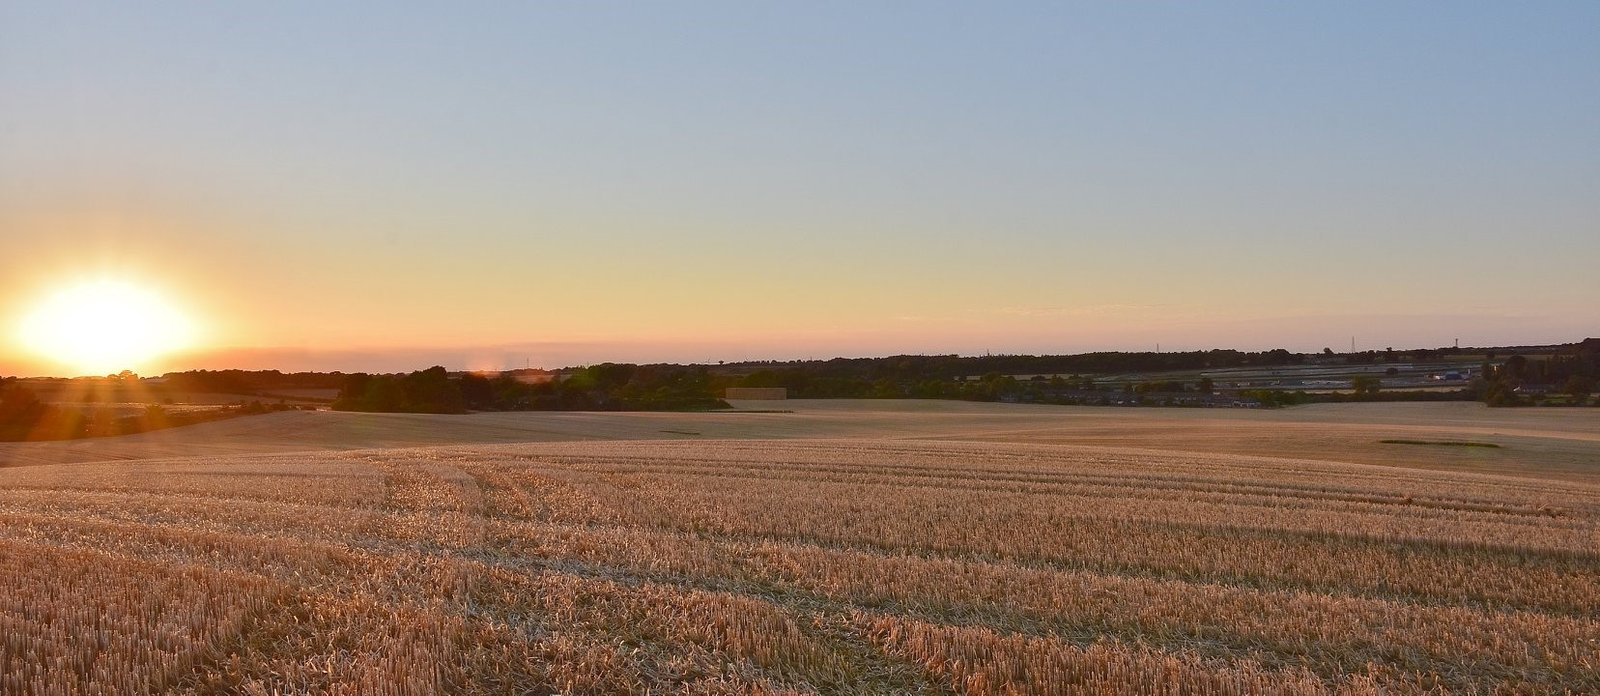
<point x="1442" y="443"/>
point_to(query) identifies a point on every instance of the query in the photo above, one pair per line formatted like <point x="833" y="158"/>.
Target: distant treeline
<point x="946" y="376"/>
<point x="249" y="381"/>
<point x="1547" y="375"/>
<point x="1087" y="391"/>
<point x="23" y="417"/>
<point x="628" y="387"/>
<point x="1568" y="376"/>
<point x="1565" y="375"/>
<point x="605" y="387"/>
<point x="826" y="378"/>
<point x="1095" y="378"/>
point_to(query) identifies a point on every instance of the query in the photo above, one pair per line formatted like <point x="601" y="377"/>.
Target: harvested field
<point x="1546" y="443"/>
<point x="820" y="565"/>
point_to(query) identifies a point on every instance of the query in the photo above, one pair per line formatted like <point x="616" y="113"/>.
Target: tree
<point x="431" y="391"/>
<point x="154" y="418"/>
<point x="1205" y="385"/>
<point x="477" y="391"/>
<point x="424" y="391"/>
<point x="1516" y="368"/>
<point x="20" y="411"/>
<point x="382" y="395"/>
<point x="1580" y="387"/>
<point x="1499" y="392"/>
<point x="1366" y="386"/>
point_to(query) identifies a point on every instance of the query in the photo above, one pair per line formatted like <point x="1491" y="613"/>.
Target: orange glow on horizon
<point x="106" y="326"/>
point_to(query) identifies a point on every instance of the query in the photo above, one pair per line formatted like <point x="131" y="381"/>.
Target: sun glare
<point x="106" y="326"/>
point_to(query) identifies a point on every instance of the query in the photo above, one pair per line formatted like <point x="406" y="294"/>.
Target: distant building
<point x="756" y="393"/>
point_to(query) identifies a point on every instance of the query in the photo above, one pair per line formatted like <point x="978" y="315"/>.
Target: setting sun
<point x="105" y="326"/>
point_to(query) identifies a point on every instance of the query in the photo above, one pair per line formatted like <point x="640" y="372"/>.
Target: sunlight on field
<point x="803" y="566"/>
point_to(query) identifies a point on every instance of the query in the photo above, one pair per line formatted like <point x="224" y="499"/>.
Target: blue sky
<point x="699" y="181"/>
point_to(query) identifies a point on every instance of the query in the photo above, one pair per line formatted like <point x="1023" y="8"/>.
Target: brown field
<point x="848" y="547"/>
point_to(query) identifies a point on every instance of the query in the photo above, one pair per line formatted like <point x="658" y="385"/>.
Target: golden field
<point x="847" y="547"/>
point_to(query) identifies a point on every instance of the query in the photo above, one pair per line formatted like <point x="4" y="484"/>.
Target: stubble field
<point x="959" y="551"/>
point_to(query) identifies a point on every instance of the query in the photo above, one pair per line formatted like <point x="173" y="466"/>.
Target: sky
<point x="385" y="186"/>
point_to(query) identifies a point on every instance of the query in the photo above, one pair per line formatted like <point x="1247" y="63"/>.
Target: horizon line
<point x="715" y="363"/>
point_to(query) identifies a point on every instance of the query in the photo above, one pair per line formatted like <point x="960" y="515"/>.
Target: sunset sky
<point x="386" y="186"/>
